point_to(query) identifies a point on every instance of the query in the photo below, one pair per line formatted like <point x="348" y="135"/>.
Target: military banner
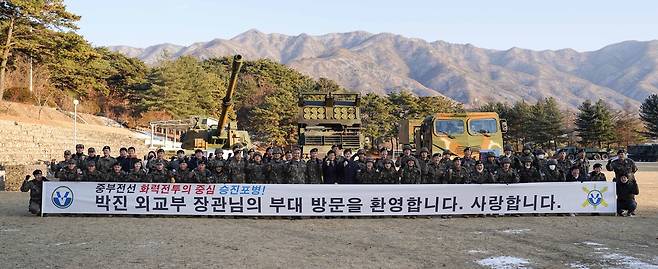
<point x="326" y="200"/>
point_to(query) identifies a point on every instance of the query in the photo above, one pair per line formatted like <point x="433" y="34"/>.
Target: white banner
<point x="326" y="200"/>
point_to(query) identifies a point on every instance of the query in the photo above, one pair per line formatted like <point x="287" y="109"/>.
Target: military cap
<point x="424" y="149"/>
<point x="91" y="150"/>
<point x="67" y="152"/>
<point x="621" y="151"/>
<point x="581" y="150"/>
<point x="436" y="155"/>
<point x="491" y="155"/>
<point x="508" y="148"/>
<point x="116" y="164"/>
<point x="237" y="146"/>
<point x="79" y="146"/>
<point x="90" y="164"/>
<point x="157" y="162"/>
<point x="598" y="165"/>
<point x="447" y="152"/>
<point x="478" y="162"/>
<point x="276" y="151"/>
<point x="467" y="148"/>
<point x="506" y="160"/>
<point x="369" y="160"/>
<point x="71" y="161"/>
<point x="314" y="150"/>
<point x="218" y="150"/>
<point x="201" y="162"/>
<point x="37" y="172"/>
<point x="527" y="159"/>
<point x="406" y="147"/>
<point x="361" y="151"/>
<point x="552" y="161"/>
<point x="106" y="147"/>
<point x="339" y="146"/>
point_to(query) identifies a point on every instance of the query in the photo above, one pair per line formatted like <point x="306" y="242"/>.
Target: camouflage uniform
<point x="277" y="172"/>
<point x="257" y="173"/>
<point x="105" y="164"/>
<point x="36" y="189"/>
<point x="314" y="171"/>
<point x="69" y="175"/>
<point x="204" y="176"/>
<point x="458" y="175"/>
<point x="506" y="176"/>
<point x="468" y="163"/>
<point x="220" y="176"/>
<point x="151" y="164"/>
<point x="528" y="175"/>
<point x="94" y="176"/>
<point x="555" y="175"/>
<point x="411" y="175"/>
<point x="162" y="176"/>
<point x="594" y="176"/>
<point x="237" y="171"/>
<point x="621" y="167"/>
<point x="138" y="176"/>
<point x="116" y="177"/>
<point x="368" y="176"/>
<point x="583" y="165"/>
<point x="296" y="172"/>
<point x="436" y="174"/>
<point x="484" y="177"/>
<point x="183" y="176"/>
<point x="79" y="159"/>
<point x="216" y="162"/>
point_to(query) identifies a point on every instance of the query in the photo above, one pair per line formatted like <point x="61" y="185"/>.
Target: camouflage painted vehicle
<point x="326" y="119"/>
<point x="481" y="131"/>
<point x="209" y="133"/>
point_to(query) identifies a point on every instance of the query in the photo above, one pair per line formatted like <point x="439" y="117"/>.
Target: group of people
<point x="339" y="166"/>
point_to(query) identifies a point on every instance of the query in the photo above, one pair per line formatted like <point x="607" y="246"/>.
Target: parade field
<point x="371" y="242"/>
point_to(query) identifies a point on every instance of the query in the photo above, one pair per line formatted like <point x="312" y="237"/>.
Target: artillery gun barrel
<point x="227" y="101"/>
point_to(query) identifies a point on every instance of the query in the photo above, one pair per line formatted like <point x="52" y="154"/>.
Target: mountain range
<point x="624" y="73"/>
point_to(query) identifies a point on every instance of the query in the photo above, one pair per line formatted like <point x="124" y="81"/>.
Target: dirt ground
<point x="172" y="242"/>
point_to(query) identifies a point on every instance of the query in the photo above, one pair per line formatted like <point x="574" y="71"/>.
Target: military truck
<point x="643" y="152"/>
<point x="209" y="133"/>
<point x="590" y="153"/>
<point x="481" y="131"/>
<point x="326" y="119"/>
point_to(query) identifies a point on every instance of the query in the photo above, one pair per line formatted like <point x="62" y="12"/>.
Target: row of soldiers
<point x="338" y="167"/>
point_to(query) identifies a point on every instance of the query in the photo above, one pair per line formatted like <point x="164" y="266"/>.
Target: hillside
<point x="381" y="63"/>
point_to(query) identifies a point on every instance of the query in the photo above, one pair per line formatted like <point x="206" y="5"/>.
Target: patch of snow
<point x="592" y="243"/>
<point x="628" y="261"/>
<point x="504" y="262"/>
<point x="10" y="230"/>
<point x="577" y="265"/>
<point x="517" y="231"/>
<point x="601" y="248"/>
<point x="473" y="251"/>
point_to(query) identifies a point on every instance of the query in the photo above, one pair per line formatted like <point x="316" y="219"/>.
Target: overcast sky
<point x="496" y="24"/>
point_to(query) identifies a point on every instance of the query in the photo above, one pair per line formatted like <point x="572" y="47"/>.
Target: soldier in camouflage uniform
<point x="445" y="161"/>
<point x="596" y="174"/>
<point x="314" y="168"/>
<point x="622" y="165"/>
<point x="436" y="172"/>
<point x="582" y="162"/>
<point x="35" y="187"/>
<point x="92" y="157"/>
<point x="411" y="174"/>
<point x="159" y="175"/>
<point x="296" y="168"/>
<point x="201" y="174"/>
<point x="220" y="174"/>
<point x="563" y="164"/>
<point x="257" y="170"/>
<point x="276" y="169"/>
<point x="183" y="174"/>
<point x="55" y="167"/>
<point x="361" y="156"/>
<point x="70" y="173"/>
<point x="218" y="160"/>
<point x="80" y="156"/>
<point x="237" y="167"/>
<point x="389" y="175"/>
<point x="508" y="152"/>
<point x="468" y="161"/>
<point x="458" y="174"/>
<point x="406" y="155"/>
<point x="369" y="175"/>
<point x="137" y="174"/>
<point x="540" y="160"/>
<point x="480" y="175"/>
<point x="160" y="154"/>
<point x="424" y="161"/>
<point x="553" y="173"/>
<point x="91" y="174"/>
<point x="116" y="175"/>
<point x="383" y="156"/>
<point x="506" y="174"/>
<point x="105" y="163"/>
<point x="490" y="163"/>
<point x="528" y="173"/>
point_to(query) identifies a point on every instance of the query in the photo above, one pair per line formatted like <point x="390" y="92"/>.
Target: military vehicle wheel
<point x="597" y="156"/>
<point x="571" y="157"/>
<point x="605" y="156"/>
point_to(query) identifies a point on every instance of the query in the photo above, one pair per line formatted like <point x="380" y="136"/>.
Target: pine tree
<point x="649" y="115"/>
<point x="594" y="123"/>
<point x="377" y="117"/>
